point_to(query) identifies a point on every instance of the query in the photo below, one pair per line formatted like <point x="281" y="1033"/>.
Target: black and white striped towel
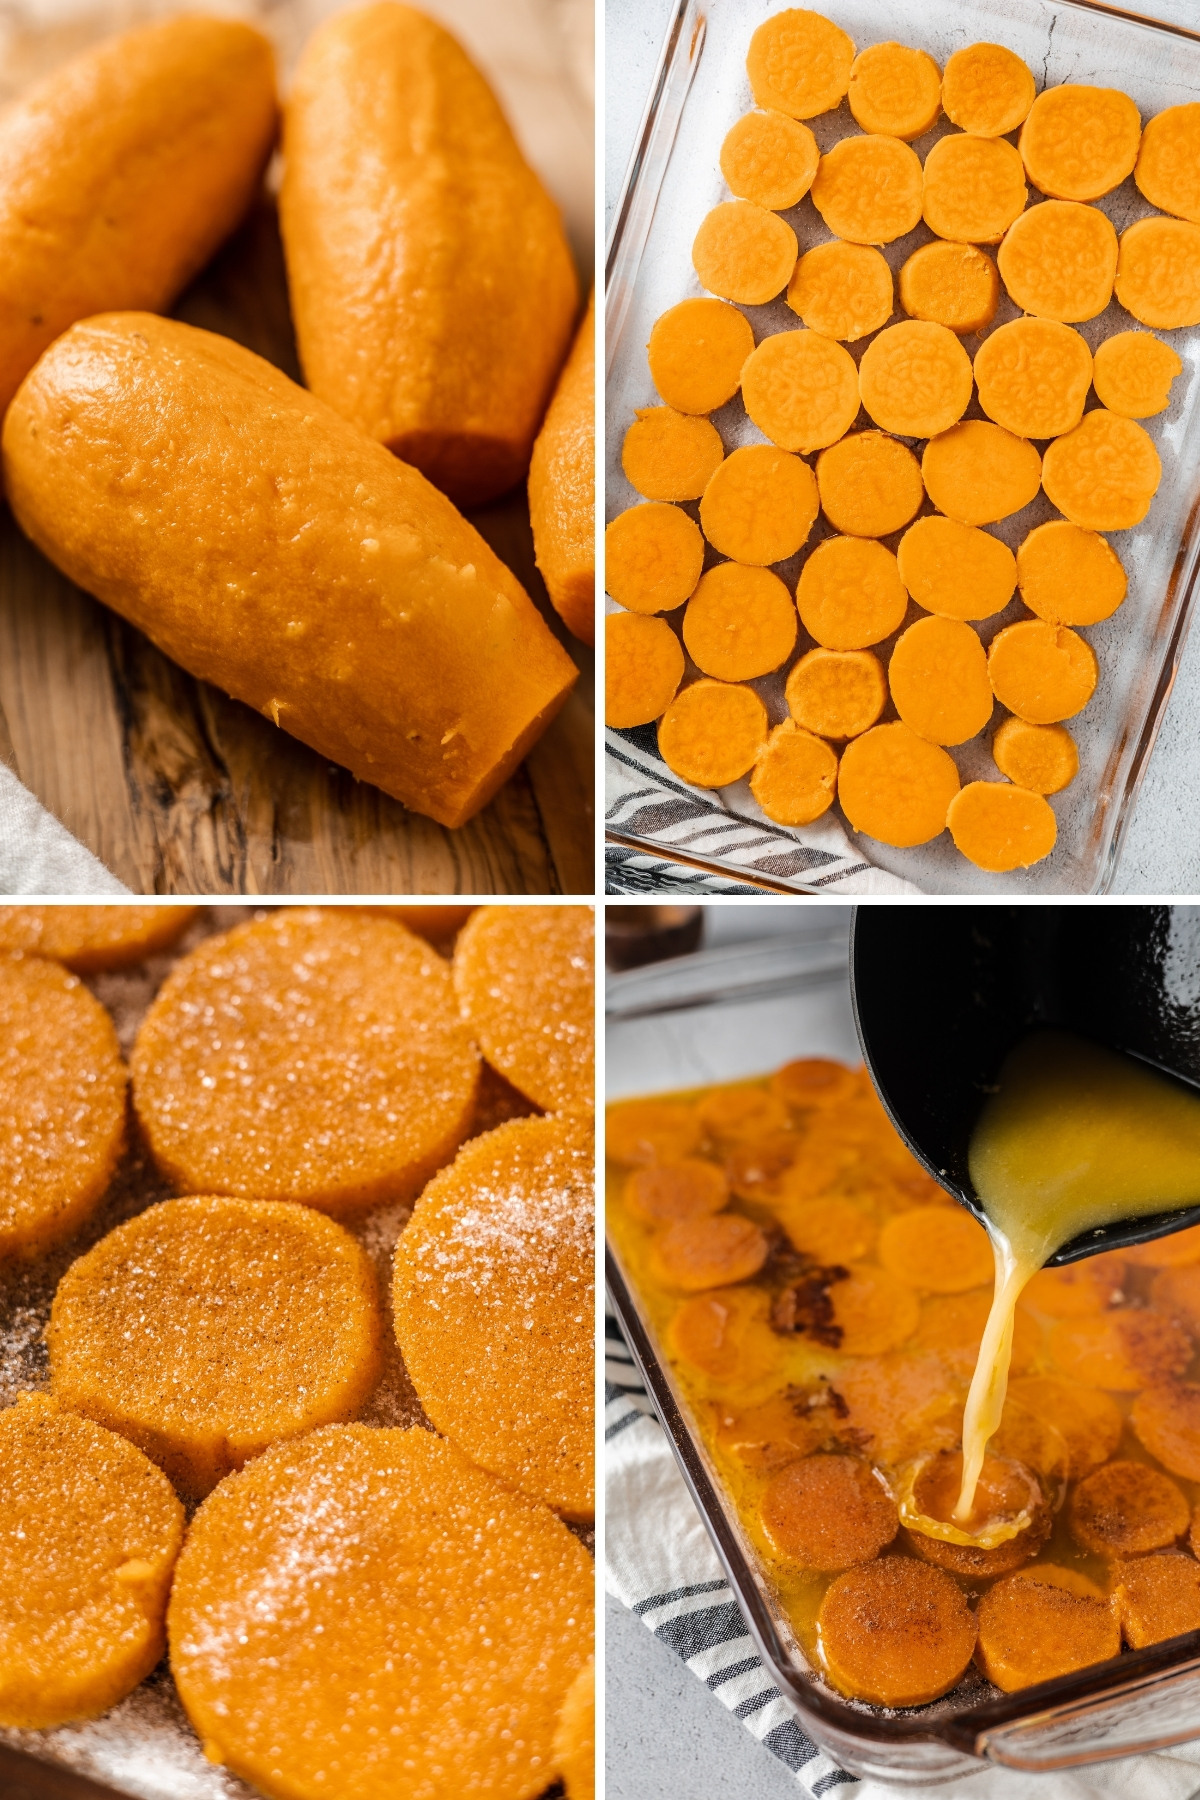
<point x="660" y="1563"/>
<point x="726" y="826"/>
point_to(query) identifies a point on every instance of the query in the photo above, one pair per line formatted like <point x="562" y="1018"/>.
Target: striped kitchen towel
<point x="724" y="826"/>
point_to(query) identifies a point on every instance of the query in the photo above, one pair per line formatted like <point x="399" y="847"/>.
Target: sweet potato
<point x="938" y="677"/>
<point x="668" y="455"/>
<point x="869" y="484"/>
<point x="873" y="1311"/>
<point x="653" y="555"/>
<point x="895" y="90"/>
<point x="769" y="159"/>
<point x="1158" y="1597"/>
<point x="1041" y="672"/>
<point x="974" y="188"/>
<point x="795" y="777"/>
<point x="939" y="1248"/>
<point x="1033" y="377"/>
<point x="841" y="290"/>
<point x="643" y="667"/>
<point x="562" y="487"/>
<point x="850" y="594"/>
<point x="801" y="389"/>
<point x="828" y="1513"/>
<point x="697" y="1253"/>
<point x="1069" y="576"/>
<point x="713" y="733"/>
<point x="740" y="1114"/>
<point x="1031" y="1630"/>
<point x="1168" y="164"/>
<point x="760" y="505"/>
<point x="642" y="1132"/>
<point x="1104" y="474"/>
<point x="1088" y="1419"/>
<point x="895" y="1633"/>
<point x="743" y="252"/>
<point x="1079" y="142"/>
<point x="1133" y="374"/>
<point x="915" y="378"/>
<point x="696" y="352"/>
<point x="836" y="693"/>
<point x="1125" y="1509"/>
<point x="1167" y="1421"/>
<point x="687" y="1189"/>
<point x="1059" y="261"/>
<point x="799" y="63"/>
<point x="740" y="622"/>
<point x="956" y="570"/>
<point x="868" y="189"/>
<point x="999" y="827"/>
<point x="979" y="473"/>
<point x="1122" y="1351"/>
<point x="1158" y="272"/>
<point x="896" y="787"/>
<point x="987" y="90"/>
<point x="954" y="285"/>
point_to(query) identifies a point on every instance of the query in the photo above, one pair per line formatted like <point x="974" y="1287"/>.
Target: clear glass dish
<point x="700" y="89"/>
<point x="729" y="1013"/>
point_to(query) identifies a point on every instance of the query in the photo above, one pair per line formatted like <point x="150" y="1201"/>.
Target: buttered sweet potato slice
<point x="1125" y="1509"/>
<point x="1168" y="164"/>
<point x="1042" y="758"/>
<point x="653" y="555"/>
<point x="850" y="594"/>
<point x="760" y="505"/>
<point x="643" y="667"/>
<point x="952" y="1327"/>
<point x="901" y="1404"/>
<point x="974" y="188"/>
<point x="799" y="63"/>
<point x="1121" y="1351"/>
<point x="1167" y="1421"/>
<point x="693" y="1254"/>
<point x="915" y="379"/>
<point x="575" y="1736"/>
<point x="1042" y="672"/>
<point x="350" y="1531"/>
<point x="62" y="1104"/>
<point x="1068" y="575"/>
<point x="740" y="1114"/>
<point x="642" y="1132"/>
<point x="830" y="1230"/>
<point x="954" y="570"/>
<point x="1104" y="474"/>
<point x="89" y="938"/>
<point x="1080" y="142"/>
<point x="896" y="787"/>
<point x="801" y="390"/>
<point x="726" y="1334"/>
<point x="939" y="1248"/>
<point x="743" y="252"/>
<point x="870" y="485"/>
<point x="524" y="977"/>
<point x="713" y="733"/>
<point x="493" y="1300"/>
<point x="687" y="1189"/>
<point x="895" y="90"/>
<point x="1078" y="1289"/>
<point x="873" y="1311"/>
<point x="868" y="189"/>
<point x="836" y="693"/>
<point x="939" y="681"/>
<point x="999" y="827"/>
<point x="313" y="1055"/>
<point x="954" y="285"/>
<point x="1059" y="261"/>
<point x="769" y="159"/>
<point x="978" y="473"/>
<point x="89" y="1533"/>
<point x="1031" y="1630"/>
<point x="828" y="1513"/>
<point x="1088" y="1420"/>
<point x="1158" y="272"/>
<point x="795" y="777"/>
<point x="740" y="622"/>
<point x="841" y="290"/>
<point x="1158" y="1597"/>
<point x="205" y="1329"/>
<point x="895" y="1632"/>
<point x="668" y="455"/>
<point x="768" y="1436"/>
<point x="1033" y="377"/>
<point x="1008" y="1493"/>
<point x="987" y="90"/>
<point x="1133" y="374"/>
<point x="812" y="1083"/>
<point x="696" y="352"/>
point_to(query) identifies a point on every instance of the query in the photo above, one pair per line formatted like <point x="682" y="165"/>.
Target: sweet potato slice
<point x="1125" y="1509"/>
<point x="978" y="473"/>
<point x="1121" y="1351"/>
<point x="1059" y="261"/>
<point x="1033" y="377"/>
<point x="760" y="505"/>
<point x="799" y="63"/>
<point x="643" y="667"/>
<point x="698" y="1253"/>
<point x="1006" y="1491"/>
<point x="974" y="188"/>
<point x="795" y="777"/>
<point x="1157" y="1597"/>
<point x="828" y="1513"/>
<point x="812" y="1083"/>
<point x="841" y="290"/>
<point x="1133" y="374"/>
<point x="653" y="558"/>
<point x="1069" y="576"/>
<point x="1158" y="272"/>
<point x="741" y="1114"/>
<point x="954" y="285"/>
<point x="696" y="352"/>
<point x="725" y="1334"/>
<point x="640" y="1132"/>
<point x="987" y="90"/>
<point x="956" y="571"/>
<point x="687" y="1189"/>
<point x="713" y="733"/>
<point x="1041" y="672"/>
<point x="757" y="1170"/>
<point x="829" y="1231"/>
<point x="1080" y="142"/>
<point x="1078" y="1289"/>
<point x="999" y="827"/>
<point x="743" y="252"/>
<point x="1168" y="164"/>
<point x="669" y="455"/>
<point x="915" y="378"/>
<point x="896" y="787"/>
<point x="1088" y="1419"/>
<point x="769" y="159"/>
<point x="895" y="90"/>
<point x="895" y="1632"/>
<point x="868" y="189"/>
<point x="1167" y="1421"/>
<point x="869" y="484"/>
<point x="740" y="622"/>
<point x="901" y="1404"/>
<point x="836" y="693"/>
<point x="1042" y="758"/>
<point x="873" y="1311"/>
<point x="1031" y="1630"/>
<point x="801" y="390"/>
<point x="939" y="1248"/>
<point x="778" y="1431"/>
<point x="1175" y="1292"/>
<point x="850" y="594"/>
<point x="1104" y="474"/>
<point x="938" y="678"/>
<point x="952" y="1326"/>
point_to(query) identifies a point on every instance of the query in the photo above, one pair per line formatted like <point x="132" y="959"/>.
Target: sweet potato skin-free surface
<point x="562" y="488"/>
<point x="272" y="549"/>
<point x="122" y="172"/>
<point x="430" y="279"/>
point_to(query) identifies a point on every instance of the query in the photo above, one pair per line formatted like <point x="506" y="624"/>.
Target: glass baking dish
<point x="673" y="180"/>
<point x="724" y="1014"/>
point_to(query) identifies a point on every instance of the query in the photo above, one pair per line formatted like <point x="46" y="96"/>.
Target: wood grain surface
<point x="180" y="790"/>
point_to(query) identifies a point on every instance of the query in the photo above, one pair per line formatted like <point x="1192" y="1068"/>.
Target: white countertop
<point x="1162" y="847"/>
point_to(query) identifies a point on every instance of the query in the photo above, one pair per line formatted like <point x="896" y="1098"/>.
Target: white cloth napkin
<point x="659" y="1561"/>
<point x="38" y="855"/>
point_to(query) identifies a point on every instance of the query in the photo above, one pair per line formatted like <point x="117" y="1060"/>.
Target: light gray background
<point x="1162" y="846"/>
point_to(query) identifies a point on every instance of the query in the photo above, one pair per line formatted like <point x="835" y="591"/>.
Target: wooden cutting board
<point x="180" y="790"/>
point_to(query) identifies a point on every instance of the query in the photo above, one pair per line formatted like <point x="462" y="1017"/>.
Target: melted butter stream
<point x="1074" y="1137"/>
